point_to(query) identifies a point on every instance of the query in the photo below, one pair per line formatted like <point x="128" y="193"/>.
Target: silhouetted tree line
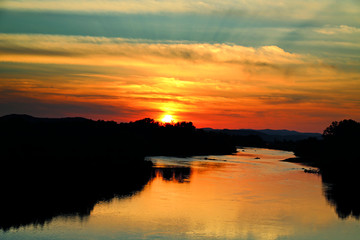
<point x="178" y="139"/>
<point x="339" y="146"/>
<point x="56" y="167"/>
<point x="93" y="142"/>
<point x="338" y="158"/>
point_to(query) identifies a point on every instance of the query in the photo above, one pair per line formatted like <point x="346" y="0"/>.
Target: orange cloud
<point x="219" y="85"/>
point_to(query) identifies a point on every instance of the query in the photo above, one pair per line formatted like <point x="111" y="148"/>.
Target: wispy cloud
<point x="342" y="29"/>
<point x="213" y="62"/>
<point x="140" y="6"/>
<point x="260" y="8"/>
<point x="141" y="78"/>
<point x="62" y="49"/>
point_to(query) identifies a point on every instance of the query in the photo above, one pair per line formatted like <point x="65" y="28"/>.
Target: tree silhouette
<point x="338" y="158"/>
<point x="347" y="129"/>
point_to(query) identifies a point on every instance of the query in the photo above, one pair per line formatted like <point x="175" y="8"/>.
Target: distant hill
<point x="268" y="135"/>
<point x="31" y="119"/>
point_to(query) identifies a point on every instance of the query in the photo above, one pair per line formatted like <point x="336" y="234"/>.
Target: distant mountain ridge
<point x="268" y="135"/>
<point x="28" y="118"/>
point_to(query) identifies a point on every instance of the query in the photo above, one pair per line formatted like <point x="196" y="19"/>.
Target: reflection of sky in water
<point x="244" y="156"/>
<point x="223" y="197"/>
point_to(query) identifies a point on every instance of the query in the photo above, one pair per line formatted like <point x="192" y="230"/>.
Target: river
<point x="249" y="195"/>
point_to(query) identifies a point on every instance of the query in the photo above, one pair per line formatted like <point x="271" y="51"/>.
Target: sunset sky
<point x="258" y="64"/>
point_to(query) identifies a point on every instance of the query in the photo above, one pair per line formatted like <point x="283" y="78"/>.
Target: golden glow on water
<point x="226" y="197"/>
<point x="215" y="197"/>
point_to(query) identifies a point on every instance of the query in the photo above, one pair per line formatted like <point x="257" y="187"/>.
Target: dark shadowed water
<point x="249" y="195"/>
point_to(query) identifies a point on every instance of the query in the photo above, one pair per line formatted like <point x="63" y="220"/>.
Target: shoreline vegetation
<point x="337" y="157"/>
<point x="63" y="167"/>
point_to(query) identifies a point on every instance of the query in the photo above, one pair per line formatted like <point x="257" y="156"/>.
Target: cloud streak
<point x="342" y="29"/>
<point x="136" y="6"/>
<point x="132" y="78"/>
<point x="77" y="47"/>
<point x="304" y="9"/>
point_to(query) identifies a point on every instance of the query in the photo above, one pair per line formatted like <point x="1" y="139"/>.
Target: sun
<point x="167" y="119"/>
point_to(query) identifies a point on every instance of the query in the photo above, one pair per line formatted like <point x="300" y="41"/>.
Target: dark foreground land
<point x="337" y="157"/>
<point x="63" y="167"/>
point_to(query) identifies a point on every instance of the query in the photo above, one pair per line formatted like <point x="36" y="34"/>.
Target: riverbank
<point x="36" y="195"/>
<point x="65" y="166"/>
<point x="340" y="181"/>
<point x="310" y="162"/>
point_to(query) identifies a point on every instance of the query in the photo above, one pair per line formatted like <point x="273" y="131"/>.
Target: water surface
<point x="248" y="195"/>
